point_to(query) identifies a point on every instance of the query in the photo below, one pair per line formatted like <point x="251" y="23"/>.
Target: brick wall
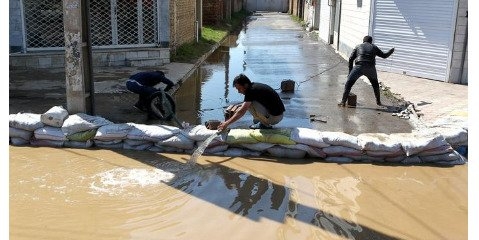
<point x="182" y="22"/>
<point x="212" y="11"/>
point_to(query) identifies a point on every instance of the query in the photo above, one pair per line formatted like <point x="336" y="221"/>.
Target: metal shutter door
<point x="422" y="33"/>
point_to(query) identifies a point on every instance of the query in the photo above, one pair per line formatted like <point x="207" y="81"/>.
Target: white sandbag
<point x="459" y="161"/>
<point x="100" y="144"/>
<point x="77" y="144"/>
<point x="335" y="151"/>
<point x="17" y="141"/>
<point x="309" y="137"/>
<point x="366" y="159"/>
<point x="378" y="142"/>
<point x="437" y="151"/>
<point x="447" y="157"/>
<point x="107" y="142"/>
<point x="200" y="133"/>
<point x="238" y="152"/>
<point x="180" y="141"/>
<point x="55" y="116"/>
<point x="396" y="159"/>
<point x="213" y="143"/>
<point x="152" y="133"/>
<point x="282" y="152"/>
<point x="168" y="149"/>
<point x="259" y="147"/>
<point x="413" y="143"/>
<point x="384" y="154"/>
<point x="339" y="159"/>
<point x="341" y="139"/>
<point x="455" y="136"/>
<point x="113" y="131"/>
<point x="46" y="143"/>
<point x="25" y="121"/>
<point x="82" y="122"/>
<point x="19" y="133"/>
<point x="411" y="160"/>
<point x="315" y="152"/>
<point x="137" y="147"/>
<point x="133" y="142"/>
<point x="50" y="133"/>
<point x="216" y="149"/>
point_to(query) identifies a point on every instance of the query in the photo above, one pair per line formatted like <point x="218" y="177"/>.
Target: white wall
<point x="355" y="15"/>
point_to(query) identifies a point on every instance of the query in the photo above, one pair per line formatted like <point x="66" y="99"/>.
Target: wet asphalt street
<point x="270" y="48"/>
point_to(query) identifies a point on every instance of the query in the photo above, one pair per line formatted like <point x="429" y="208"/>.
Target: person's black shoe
<point x="260" y="126"/>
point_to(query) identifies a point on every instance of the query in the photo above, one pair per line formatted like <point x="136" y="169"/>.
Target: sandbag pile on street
<point x="57" y="128"/>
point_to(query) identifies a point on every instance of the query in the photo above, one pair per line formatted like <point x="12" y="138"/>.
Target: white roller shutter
<point x="422" y="33"/>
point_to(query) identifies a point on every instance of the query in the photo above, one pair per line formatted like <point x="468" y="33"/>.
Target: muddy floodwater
<point x="63" y="193"/>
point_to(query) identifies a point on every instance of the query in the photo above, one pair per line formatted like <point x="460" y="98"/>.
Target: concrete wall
<point x="459" y="52"/>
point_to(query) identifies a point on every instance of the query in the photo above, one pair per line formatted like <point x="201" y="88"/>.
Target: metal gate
<point x="114" y="23"/>
<point x="422" y="33"/>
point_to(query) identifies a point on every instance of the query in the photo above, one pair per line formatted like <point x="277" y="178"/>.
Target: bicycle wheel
<point x="163" y="109"/>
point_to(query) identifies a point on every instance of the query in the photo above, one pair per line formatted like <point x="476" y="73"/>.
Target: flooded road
<point x="272" y="48"/>
<point x="104" y="194"/>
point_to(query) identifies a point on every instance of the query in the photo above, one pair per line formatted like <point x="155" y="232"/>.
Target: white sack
<point x="46" y="143"/>
<point x="309" y="137"/>
<point x="19" y="133"/>
<point x="447" y="157"/>
<point x="378" y="142"/>
<point x="339" y="159"/>
<point x="50" y="133"/>
<point x="455" y="136"/>
<point x="341" y="139"/>
<point x="282" y="152"/>
<point x="260" y="147"/>
<point x="100" y="144"/>
<point x="413" y="143"/>
<point x="216" y="149"/>
<point x="113" y="131"/>
<point x="141" y="147"/>
<point x="16" y="141"/>
<point x="81" y="122"/>
<point x="200" y="133"/>
<point x="437" y="151"/>
<point x="25" y="121"/>
<point x="178" y="141"/>
<point x="55" y="116"/>
<point x="311" y="151"/>
<point x="335" y="151"/>
<point x="133" y="142"/>
<point x="238" y="152"/>
<point x="152" y="133"/>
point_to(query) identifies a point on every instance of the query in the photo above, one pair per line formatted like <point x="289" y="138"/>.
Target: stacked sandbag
<point x="428" y="145"/>
<point x="22" y="126"/>
<point x="80" y="129"/>
<point x="112" y="135"/>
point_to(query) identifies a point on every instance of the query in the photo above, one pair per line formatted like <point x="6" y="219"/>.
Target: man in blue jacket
<point x="364" y="56"/>
<point x="143" y="83"/>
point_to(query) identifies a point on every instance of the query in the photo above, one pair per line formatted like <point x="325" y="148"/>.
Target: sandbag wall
<point x="56" y="128"/>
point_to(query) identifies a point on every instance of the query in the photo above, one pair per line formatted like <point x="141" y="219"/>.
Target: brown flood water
<point x="63" y="193"/>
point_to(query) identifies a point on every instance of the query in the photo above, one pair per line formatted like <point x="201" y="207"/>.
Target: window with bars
<point x="112" y="23"/>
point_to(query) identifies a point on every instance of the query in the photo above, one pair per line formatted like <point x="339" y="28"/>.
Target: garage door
<point x="267" y="5"/>
<point x="422" y="33"/>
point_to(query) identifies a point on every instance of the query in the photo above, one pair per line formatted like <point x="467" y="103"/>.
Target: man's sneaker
<point x="341" y="104"/>
<point x="260" y="126"/>
<point x="140" y="107"/>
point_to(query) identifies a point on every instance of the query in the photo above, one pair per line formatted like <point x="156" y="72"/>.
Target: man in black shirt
<point x="143" y="83"/>
<point x="365" y="64"/>
<point x="262" y="101"/>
